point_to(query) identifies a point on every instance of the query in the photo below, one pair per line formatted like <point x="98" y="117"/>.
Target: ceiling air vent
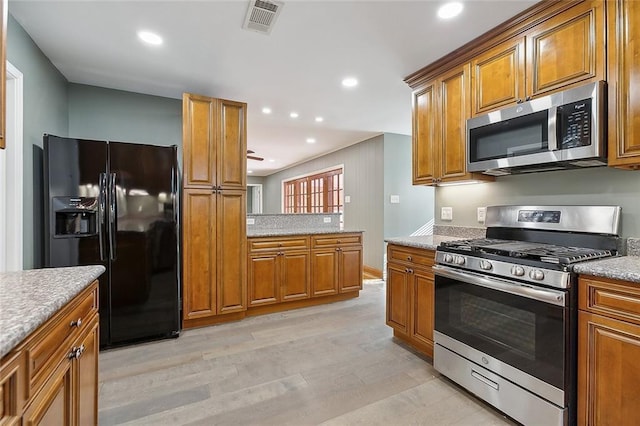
<point x="262" y="15"/>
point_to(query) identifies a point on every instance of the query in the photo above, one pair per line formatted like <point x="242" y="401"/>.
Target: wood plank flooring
<point x="334" y="364"/>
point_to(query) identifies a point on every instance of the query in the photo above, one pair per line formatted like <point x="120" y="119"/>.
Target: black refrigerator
<point x="116" y="204"/>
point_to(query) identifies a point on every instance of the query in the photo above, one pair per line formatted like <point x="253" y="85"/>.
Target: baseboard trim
<point x="371" y="272"/>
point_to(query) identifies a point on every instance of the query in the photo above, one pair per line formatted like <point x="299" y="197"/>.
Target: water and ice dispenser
<point x="75" y="216"/>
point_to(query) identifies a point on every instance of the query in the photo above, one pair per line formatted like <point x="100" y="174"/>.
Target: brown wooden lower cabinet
<point x="608" y="352"/>
<point x="54" y="381"/>
<point x="286" y="272"/>
<point x="410" y="296"/>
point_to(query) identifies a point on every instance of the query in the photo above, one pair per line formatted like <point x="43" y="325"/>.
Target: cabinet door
<point x="567" y="49"/>
<point x="624" y="83"/>
<point x="199" y="253"/>
<point x="12" y="381"/>
<point x="454" y="112"/>
<point x="324" y="272"/>
<point x="350" y="269"/>
<point x="295" y="276"/>
<point x="608" y="371"/>
<point x="86" y="366"/>
<point x="397" y="297"/>
<point x="198" y="139"/>
<point x="54" y="403"/>
<point x="422" y="303"/>
<point x="498" y="77"/>
<point x="425" y="132"/>
<point x="232" y="145"/>
<point x="231" y="242"/>
<point x="264" y="278"/>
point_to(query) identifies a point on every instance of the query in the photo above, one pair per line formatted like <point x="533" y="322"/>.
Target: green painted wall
<point x="44" y="111"/>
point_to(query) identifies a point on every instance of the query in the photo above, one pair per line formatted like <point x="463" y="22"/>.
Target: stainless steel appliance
<point x="560" y="131"/>
<point x="116" y="204"/>
<point x="506" y="306"/>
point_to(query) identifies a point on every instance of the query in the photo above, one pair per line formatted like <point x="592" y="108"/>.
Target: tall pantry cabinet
<point x="214" y="210"/>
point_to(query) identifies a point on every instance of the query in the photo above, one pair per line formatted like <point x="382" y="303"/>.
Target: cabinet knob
<point x="409" y="258"/>
<point x="76" y="352"/>
<point x="528" y="98"/>
<point x="76" y="323"/>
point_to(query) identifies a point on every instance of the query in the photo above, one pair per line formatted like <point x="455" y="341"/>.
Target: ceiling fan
<point x="253" y="157"/>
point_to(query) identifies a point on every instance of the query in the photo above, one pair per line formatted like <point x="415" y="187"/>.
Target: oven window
<point x="510" y="138"/>
<point x="526" y="334"/>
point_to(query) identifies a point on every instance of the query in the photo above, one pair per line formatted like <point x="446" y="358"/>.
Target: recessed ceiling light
<point x="293" y="114"/>
<point x="350" y="82"/>
<point x="266" y="110"/>
<point x="271" y="160"/>
<point x="150" y="38"/>
<point x="319" y="119"/>
<point x="449" y="10"/>
<point x="311" y="140"/>
<point x="249" y="171"/>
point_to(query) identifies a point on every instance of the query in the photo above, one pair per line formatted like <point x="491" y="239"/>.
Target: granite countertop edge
<point x="625" y="268"/>
<point x="429" y="242"/>
<point x="287" y="232"/>
<point x="29" y="298"/>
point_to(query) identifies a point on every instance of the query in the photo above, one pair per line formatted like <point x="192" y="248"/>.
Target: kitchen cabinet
<point x="4" y="10"/>
<point x="52" y="376"/>
<point x="440" y="110"/>
<point x="279" y="270"/>
<point x="214" y="210"/>
<point x="624" y="83"/>
<point x="562" y="51"/>
<point x="410" y="296"/>
<point x="336" y="263"/>
<point x="608" y="352"/>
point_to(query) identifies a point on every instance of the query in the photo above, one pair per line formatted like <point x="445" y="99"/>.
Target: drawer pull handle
<point x="76" y="352"/>
<point x="76" y="323"/>
<point x="485" y="380"/>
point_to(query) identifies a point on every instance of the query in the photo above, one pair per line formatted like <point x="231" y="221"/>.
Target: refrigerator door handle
<point x="102" y="195"/>
<point x="112" y="216"/>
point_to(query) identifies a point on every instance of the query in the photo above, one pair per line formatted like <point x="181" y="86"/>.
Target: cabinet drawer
<point x="264" y="244"/>
<point x="612" y="298"/>
<point x="47" y="345"/>
<point x="421" y="257"/>
<point x="318" y="241"/>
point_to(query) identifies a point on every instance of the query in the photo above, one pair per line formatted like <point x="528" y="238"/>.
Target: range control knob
<point x="536" y="274"/>
<point x="448" y="258"/>
<point x="518" y="271"/>
<point x="460" y="260"/>
<point x="485" y="265"/>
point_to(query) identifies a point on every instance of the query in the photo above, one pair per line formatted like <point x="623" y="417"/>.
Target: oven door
<point x="519" y="331"/>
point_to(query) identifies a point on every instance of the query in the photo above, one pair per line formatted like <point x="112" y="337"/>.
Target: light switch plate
<point x="482" y="211"/>
<point x="347" y="198"/>
<point x="395" y="199"/>
<point x="446" y="213"/>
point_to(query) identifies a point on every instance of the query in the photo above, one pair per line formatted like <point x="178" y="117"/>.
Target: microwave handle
<point x="552" y="126"/>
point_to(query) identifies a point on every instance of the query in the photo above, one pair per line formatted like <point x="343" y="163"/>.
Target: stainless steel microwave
<point x="560" y="131"/>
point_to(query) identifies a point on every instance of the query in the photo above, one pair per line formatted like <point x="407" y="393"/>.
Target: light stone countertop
<point x="430" y="242"/>
<point x="626" y="268"/>
<point x="288" y="232"/>
<point x="29" y="298"/>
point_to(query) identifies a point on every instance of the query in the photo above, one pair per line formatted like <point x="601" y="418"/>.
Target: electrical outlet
<point x="347" y="199"/>
<point x="394" y="199"/>
<point x="446" y="213"/>
<point x="482" y="211"/>
<point x="251" y="221"/>
<point x="327" y="219"/>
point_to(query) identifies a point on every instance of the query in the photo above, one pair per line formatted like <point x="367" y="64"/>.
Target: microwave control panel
<point x="574" y="124"/>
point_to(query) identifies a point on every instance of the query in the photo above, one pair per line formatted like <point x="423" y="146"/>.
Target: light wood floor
<point x="333" y="365"/>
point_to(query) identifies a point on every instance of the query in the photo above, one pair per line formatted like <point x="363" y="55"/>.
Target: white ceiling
<point x="298" y="67"/>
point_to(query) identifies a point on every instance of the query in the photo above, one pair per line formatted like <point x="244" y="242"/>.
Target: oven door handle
<point x="543" y="295"/>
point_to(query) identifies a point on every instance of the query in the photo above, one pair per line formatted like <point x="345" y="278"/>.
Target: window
<point x="317" y="193"/>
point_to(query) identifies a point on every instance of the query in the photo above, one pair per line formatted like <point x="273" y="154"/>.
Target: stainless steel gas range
<point x="506" y="306"/>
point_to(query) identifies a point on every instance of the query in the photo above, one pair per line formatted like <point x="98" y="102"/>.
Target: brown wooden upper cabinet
<point x="563" y="51"/>
<point x="3" y="70"/>
<point x="440" y="111"/>
<point x="214" y="142"/>
<point x="624" y="83"/>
